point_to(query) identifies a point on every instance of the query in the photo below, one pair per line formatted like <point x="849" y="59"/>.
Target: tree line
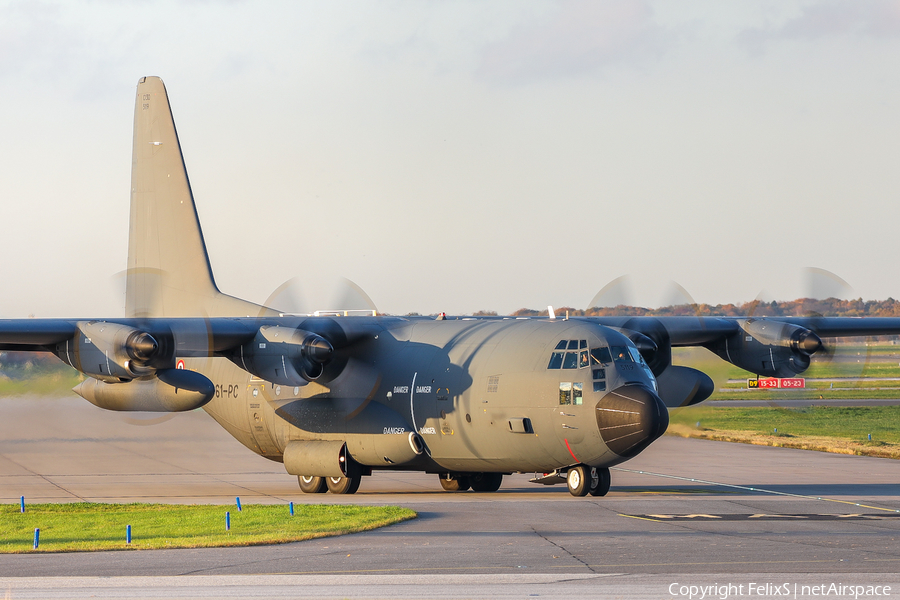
<point x="801" y="307"/>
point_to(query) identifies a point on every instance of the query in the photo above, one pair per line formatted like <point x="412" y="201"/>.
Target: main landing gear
<point x="479" y="482"/>
<point x="583" y="480"/>
<point x="335" y="485"/>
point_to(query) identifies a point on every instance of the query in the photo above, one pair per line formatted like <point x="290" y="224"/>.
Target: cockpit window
<point x="621" y="354"/>
<point x="636" y="355"/>
<point x="555" y="360"/>
<point x="600" y="356"/>
<point x="579" y="355"/>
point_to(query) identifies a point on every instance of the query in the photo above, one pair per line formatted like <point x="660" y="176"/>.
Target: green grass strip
<point x="828" y="428"/>
<point x="852" y="422"/>
<point x="90" y="526"/>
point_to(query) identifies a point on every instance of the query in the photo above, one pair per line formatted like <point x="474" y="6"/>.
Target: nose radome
<point x="630" y="417"/>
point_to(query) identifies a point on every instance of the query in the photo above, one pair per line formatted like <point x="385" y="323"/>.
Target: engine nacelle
<point x="284" y="356"/>
<point x="769" y="348"/>
<point x="683" y="386"/>
<point x="173" y="390"/>
<point x="109" y="351"/>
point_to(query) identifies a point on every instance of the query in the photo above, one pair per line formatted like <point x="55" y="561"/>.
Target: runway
<point x="750" y="511"/>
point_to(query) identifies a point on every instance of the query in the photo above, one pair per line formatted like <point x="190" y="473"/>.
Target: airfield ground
<point x="687" y="511"/>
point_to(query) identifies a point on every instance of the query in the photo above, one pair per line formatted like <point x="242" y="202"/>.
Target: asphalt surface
<point x="683" y="511"/>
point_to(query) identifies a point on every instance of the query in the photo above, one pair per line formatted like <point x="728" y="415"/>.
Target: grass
<point x="828" y="428"/>
<point x="52" y="380"/>
<point x="875" y="361"/>
<point x="90" y="526"/>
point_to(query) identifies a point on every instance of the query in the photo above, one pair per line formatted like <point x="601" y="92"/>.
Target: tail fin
<point x="168" y="268"/>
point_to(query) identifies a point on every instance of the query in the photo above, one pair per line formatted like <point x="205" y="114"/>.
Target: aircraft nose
<point x="630" y="417"/>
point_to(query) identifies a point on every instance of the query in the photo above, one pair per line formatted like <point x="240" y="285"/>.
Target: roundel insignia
<point x="179" y="364"/>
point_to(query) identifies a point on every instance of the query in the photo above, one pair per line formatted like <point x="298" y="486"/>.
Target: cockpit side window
<point x="621" y="354"/>
<point x="636" y="355"/>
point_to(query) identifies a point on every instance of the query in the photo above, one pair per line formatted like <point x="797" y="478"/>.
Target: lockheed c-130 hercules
<point x="336" y="397"/>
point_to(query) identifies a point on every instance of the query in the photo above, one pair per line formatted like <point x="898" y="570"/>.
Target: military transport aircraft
<point x="338" y="396"/>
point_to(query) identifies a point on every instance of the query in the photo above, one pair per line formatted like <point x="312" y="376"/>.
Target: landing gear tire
<point x="312" y="485"/>
<point x="486" y="482"/>
<point x="343" y="485"/>
<point x="579" y="480"/>
<point x="455" y="484"/>
<point x="600" y="480"/>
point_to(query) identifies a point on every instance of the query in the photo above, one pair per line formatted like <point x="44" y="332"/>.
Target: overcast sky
<point x="459" y="156"/>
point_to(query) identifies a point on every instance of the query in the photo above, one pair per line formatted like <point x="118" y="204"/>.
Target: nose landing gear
<point x="583" y="480"/>
<point x="600" y="480"/>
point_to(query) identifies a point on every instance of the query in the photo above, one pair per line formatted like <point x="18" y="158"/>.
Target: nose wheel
<point x="599" y="481"/>
<point x="579" y="480"/>
<point x="583" y="480"/>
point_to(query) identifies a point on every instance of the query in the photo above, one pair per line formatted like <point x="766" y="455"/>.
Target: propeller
<point x="345" y="295"/>
<point x="617" y="292"/>
<point x="821" y="285"/>
<point x="818" y="285"/>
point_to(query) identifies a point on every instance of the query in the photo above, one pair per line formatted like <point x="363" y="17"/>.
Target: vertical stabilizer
<point x="169" y="274"/>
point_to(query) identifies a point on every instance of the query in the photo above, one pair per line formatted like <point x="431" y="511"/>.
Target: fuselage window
<point x="565" y="393"/>
<point x="577" y="392"/>
<point x="555" y="360"/>
<point x="599" y="374"/>
<point x="599" y="386"/>
<point x="571" y="360"/>
<point x="600" y="356"/>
